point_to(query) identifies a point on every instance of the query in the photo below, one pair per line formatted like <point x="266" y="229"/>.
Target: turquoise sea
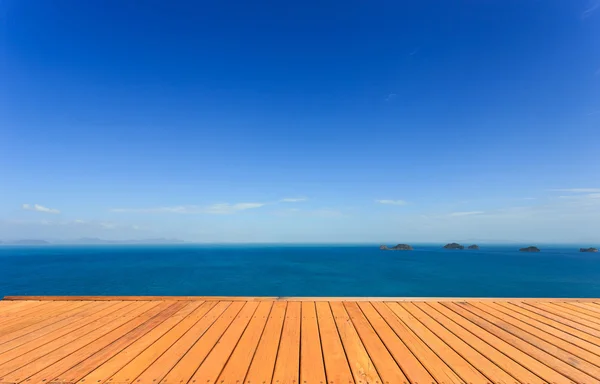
<point x="493" y="271"/>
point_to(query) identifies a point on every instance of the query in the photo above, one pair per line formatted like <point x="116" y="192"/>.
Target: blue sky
<point x="231" y="121"/>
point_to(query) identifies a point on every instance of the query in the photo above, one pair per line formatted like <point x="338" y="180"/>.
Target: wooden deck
<point x="214" y="340"/>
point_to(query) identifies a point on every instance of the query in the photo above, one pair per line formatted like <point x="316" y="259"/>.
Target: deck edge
<point x="283" y="298"/>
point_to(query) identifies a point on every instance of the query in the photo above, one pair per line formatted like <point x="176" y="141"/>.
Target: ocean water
<point x="493" y="271"/>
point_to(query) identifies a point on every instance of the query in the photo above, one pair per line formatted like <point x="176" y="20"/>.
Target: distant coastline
<point x="467" y="246"/>
<point x="93" y="241"/>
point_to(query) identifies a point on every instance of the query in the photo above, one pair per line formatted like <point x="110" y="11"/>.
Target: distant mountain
<point x="92" y="241"/>
<point x="28" y="242"/>
<point x="98" y="241"/>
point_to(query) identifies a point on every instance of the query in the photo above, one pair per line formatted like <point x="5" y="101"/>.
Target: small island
<point x="454" y="246"/>
<point x="474" y="246"/>
<point x="399" y="247"/>
<point x="530" y="249"/>
<point x="588" y="249"/>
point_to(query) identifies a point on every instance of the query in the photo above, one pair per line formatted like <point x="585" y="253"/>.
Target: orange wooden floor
<point x="153" y="340"/>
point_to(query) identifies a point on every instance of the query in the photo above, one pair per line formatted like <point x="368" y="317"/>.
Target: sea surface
<point x="493" y="271"/>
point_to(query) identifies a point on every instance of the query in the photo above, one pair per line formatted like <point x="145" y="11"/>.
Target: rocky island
<point x="530" y="249"/>
<point x="454" y="246"/>
<point x="399" y="247"/>
<point x="474" y="246"/>
<point x="588" y="249"/>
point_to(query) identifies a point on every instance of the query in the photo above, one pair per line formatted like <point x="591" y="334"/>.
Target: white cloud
<point x="586" y="196"/>
<point x="578" y="190"/>
<point x="391" y="202"/>
<point x="468" y="213"/>
<point x="293" y="200"/>
<point x="39" y="208"/>
<point x="214" y="209"/>
<point x="225" y="208"/>
<point x="391" y="97"/>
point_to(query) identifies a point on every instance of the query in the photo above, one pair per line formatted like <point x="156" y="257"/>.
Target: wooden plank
<point x="323" y="342"/>
<point x="312" y="367"/>
<point x="556" y="318"/>
<point x="51" y="372"/>
<point x="60" y="350"/>
<point x="7" y="307"/>
<point x="410" y="365"/>
<point x="520" y="373"/>
<point x="156" y="361"/>
<point x="456" y="362"/>
<point x="432" y="362"/>
<point x="263" y="364"/>
<point x="35" y="339"/>
<point x="33" y="331"/>
<point x="41" y="314"/>
<point x="460" y="316"/>
<point x="361" y="365"/>
<point x="558" y="332"/>
<point x="529" y="349"/>
<point x="287" y="365"/>
<point x="189" y="363"/>
<point x="553" y="345"/>
<point x="550" y="322"/>
<point x="565" y="313"/>
<point x="485" y="366"/>
<point x="46" y="346"/>
<point x="104" y="371"/>
<point x="28" y="308"/>
<point x="183" y="319"/>
<point x="237" y="366"/>
<point x="18" y="307"/>
<point x="337" y="367"/>
<point x="384" y="363"/>
<point x="139" y="298"/>
<point x="91" y="362"/>
<point x="589" y="314"/>
<point x="589" y="306"/>
<point x="213" y="364"/>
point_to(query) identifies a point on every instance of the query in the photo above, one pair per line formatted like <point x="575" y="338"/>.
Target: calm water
<point x="297" y="271"/>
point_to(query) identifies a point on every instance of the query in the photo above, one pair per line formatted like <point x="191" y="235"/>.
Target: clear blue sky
<point x="381" y="120"/>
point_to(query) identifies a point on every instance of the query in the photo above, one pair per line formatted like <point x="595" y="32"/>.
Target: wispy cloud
<point x="214" y="209"/>
<point x="391" y="202"/>
<point x="225" y="208"/>
<point x="592" y="7"/>
<point x="414" y="52"/>
<point x="75" y="223"/>
<point x="39" y="208"/>
<point x="293" y="200"/>
<point x="468" y="213"/>
<point x="578" y="190"/>
<point x="582" y="196"/>
<point x="391" y="97"/>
